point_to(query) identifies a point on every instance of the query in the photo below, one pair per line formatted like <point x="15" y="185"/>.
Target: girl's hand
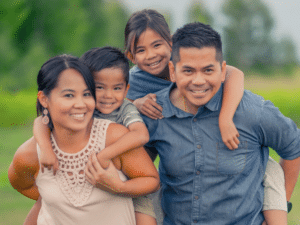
<point x="107" y="180"/>
<point x="49" y="160"/>
<point x="148" y="106"/>
<point x="229" y="134"/>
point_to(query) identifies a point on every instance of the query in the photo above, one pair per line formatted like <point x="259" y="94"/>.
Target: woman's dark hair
<point x="97" y="59"/>
<point x="49" y="74"/>
<point x="139" y="22"/>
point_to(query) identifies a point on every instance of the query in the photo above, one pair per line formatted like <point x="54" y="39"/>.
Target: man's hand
<point x="148" y="106"/>
<point x="229" y="134"/>
<point x="49" y="160"/>
<point x="107" y="180"/>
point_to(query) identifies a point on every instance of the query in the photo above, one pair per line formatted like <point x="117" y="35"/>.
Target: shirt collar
<point x="170" y="110"/>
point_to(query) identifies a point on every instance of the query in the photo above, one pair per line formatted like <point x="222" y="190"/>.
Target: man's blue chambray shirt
<point x="203" y="182"/>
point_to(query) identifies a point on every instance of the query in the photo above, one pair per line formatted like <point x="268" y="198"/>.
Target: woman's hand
<point x="107" y="180"/>
<point x="148" y="106"/>
<point x="229" y="134"/>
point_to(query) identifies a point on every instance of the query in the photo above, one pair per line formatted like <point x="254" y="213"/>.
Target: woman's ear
<point x="43" y="99"/>
<point x="130" y="56"/>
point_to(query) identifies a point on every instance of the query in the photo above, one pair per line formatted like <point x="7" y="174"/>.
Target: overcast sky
<point x="285" y="13"/>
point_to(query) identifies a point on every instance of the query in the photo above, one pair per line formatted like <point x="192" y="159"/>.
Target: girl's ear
<point x="43" y="99"/>
<point x="130" y="56"/>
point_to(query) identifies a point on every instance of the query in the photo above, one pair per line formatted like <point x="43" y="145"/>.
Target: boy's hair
<point x="50" y="72"/>
<point x="106" y="57"/>
<point x="139" y="22"/>
<point x="196" y="35"/>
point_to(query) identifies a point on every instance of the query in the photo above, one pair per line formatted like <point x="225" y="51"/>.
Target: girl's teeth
<point x="199" y="91"/>
<point x="78" y="115"/>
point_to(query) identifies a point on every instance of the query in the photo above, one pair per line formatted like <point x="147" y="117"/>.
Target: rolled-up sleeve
<point x="279" y="132"/>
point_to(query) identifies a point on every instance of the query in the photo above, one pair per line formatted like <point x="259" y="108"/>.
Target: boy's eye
<point x="140" y="50"/>
<point x="99" y="87"/>
<point x="157" y="45"/>
<point x="117" y="88"/>
<point x="87" y="94"/>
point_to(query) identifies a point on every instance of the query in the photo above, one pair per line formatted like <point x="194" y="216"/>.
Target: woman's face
<point x="70" y="103"/>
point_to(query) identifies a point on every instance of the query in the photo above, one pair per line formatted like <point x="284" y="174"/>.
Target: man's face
<point x="198" y="76"/>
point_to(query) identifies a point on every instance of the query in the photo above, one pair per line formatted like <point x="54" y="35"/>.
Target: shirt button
<point x="198" y="172"/>
<point x="196" y="197"/>
<point x="195" y="119"/>
<point x="199" y="146"/>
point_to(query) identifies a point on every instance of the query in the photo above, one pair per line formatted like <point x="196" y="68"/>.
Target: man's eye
<point x="117" y="88"/>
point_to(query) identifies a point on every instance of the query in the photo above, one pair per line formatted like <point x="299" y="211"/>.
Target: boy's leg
<point x="32" y="216"/>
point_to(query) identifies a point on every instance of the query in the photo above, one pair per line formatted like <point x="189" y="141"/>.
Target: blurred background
<point x="260" y="37"/>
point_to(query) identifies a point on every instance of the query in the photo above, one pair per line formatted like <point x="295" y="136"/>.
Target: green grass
<point x="16" y="127"/>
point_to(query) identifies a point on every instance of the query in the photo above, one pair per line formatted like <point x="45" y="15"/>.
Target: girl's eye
<point x="140" y="51"/>
<point x="157" y="45"/>
<point x="99" y="87"/>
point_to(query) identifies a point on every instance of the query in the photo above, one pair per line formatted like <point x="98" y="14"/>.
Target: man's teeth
<point x="109" y="104"/>
<point x="78" y="115"/>
<point x="199" y="91"/>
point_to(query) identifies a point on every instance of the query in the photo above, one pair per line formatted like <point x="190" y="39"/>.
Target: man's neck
<point x="180" y="102"/>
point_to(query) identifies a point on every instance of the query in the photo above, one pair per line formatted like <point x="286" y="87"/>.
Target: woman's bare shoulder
<point x="114" y="132"/>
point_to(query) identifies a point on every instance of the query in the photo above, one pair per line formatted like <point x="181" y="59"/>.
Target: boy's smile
<point x="111" y="89"/>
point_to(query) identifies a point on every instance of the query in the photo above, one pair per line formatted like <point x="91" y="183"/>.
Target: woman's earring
<point x="45" y="118"/>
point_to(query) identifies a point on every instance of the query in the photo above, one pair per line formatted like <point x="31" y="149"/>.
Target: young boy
<point x="110" y="69"/>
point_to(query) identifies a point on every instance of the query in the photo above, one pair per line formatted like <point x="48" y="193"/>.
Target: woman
<point x="66" y="98"/>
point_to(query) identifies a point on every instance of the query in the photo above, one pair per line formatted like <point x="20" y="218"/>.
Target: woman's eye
<point x="140" y="51"/>
<point x="157" y="45"/>
<point x="68" y="95"/>
<point x="87" y="94"/>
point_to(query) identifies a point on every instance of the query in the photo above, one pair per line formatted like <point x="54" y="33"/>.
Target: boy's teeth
<point x="154" y="64"/>
<point x="199" y="91"/>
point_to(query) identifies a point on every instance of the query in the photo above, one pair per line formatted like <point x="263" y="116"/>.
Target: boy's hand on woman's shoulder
<point x="49" y="161"/>
<point x="148" y="106"/>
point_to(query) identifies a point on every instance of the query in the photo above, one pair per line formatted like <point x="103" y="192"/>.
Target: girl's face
<point x="152" y="53"/>
<point x="70" y="103"/>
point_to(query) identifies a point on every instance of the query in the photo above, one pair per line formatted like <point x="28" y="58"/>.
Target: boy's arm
<point x="136" y="137"/>
<point x="41" y="133"/>
<point x="275" y="217"/>
<point x="233" y="93"/>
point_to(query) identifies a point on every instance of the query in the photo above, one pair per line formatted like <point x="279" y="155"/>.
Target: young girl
<point x="148" y="46"/>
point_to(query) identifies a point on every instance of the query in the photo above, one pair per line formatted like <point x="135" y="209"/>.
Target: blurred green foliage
<point x="32" y="31"/>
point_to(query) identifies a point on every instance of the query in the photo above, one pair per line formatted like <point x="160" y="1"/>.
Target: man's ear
<point x="43" y="99"/>
<point x="172" y="72"/>
<point x="223" y="70"/>
<point x="130" y="56"/>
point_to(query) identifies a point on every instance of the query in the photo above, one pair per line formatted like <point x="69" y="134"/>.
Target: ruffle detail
<point x="71" y="175"/>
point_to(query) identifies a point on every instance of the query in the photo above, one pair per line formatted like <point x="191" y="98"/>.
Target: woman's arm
<point x="24" y="168"/>
<point x="33" y="214"/>
<point x="135" y="164"/>
<point x="232" y="95"/>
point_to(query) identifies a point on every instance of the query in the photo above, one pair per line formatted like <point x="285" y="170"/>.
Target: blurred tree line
<point x="247" y="37"/>
<point x="32" y="31"/>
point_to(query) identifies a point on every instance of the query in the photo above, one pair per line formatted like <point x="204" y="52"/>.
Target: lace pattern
<point x="71" y="176"/>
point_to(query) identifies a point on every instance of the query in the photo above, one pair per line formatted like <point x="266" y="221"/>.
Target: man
<point x="203" y="182"/>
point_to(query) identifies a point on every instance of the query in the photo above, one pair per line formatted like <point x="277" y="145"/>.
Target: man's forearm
<point x="291" y="172"/>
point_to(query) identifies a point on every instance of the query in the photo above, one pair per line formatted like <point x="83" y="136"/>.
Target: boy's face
<point x="111" y="89"/>
<point x="198" y="76"/>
